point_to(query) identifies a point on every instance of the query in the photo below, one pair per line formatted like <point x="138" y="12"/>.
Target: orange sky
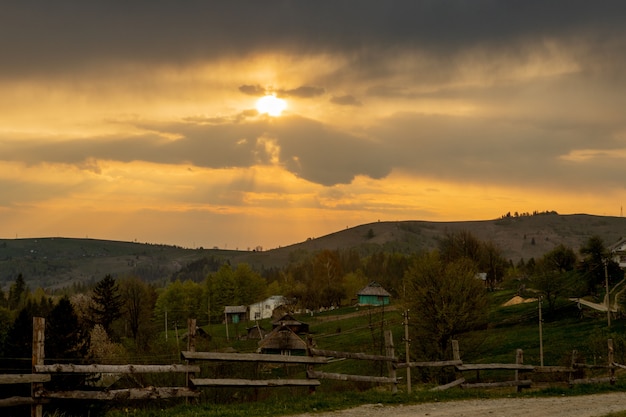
<point x="138" y="122"/>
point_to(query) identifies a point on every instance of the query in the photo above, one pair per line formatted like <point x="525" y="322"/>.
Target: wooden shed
<point x="296" y="326"/>
<point x="256" y="332"/>
<point x="235" y="314"/>
<point x="283" y="341"/>
<point x="373" y="295"/>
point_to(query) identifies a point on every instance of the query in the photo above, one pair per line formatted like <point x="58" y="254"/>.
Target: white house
<point x="264" y="309"/>
<point x="619" y="253"/>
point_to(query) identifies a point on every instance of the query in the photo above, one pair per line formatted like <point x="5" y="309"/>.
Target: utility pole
<point x="540" y="334"/>
<point x="407" y="344"/>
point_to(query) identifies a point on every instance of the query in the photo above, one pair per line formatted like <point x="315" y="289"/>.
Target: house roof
<point x="235" y="309"/>
<point x="374" y="288"/>
<point x="282" y="338"/>
<point x="287" y="319"/>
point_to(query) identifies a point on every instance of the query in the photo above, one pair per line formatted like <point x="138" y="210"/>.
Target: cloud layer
<point x="393" y="109"/>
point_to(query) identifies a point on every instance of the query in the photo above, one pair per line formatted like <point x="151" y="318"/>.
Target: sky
<point x="138" y="121"/>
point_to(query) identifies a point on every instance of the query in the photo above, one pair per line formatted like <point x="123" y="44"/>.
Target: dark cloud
<point x="346" y="100"/>
<point x="252" y="90"/>
<point x="309" y="149"/>
<point x="44" y="37"/>
<point x="305" y="91"/>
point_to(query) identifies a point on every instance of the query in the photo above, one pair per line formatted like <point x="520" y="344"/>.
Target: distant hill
<point x="59" y="262"/>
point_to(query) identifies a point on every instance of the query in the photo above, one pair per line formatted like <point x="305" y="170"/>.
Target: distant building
<point x="294" y="325"/>
<point x="283" y="341"/>
<point x="256" y="332"/>
<point x="235" y="314"/>
<point x="265" y="309"/>
<point x="373" y="295"/>
<point x="618" y="252"/>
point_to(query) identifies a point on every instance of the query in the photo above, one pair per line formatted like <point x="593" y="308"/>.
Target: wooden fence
<point x="42" y="373"/>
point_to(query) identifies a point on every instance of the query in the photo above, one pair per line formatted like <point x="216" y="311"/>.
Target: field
<point x="359" y="330"/>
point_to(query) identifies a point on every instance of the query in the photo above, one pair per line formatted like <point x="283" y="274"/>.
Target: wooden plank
<point x="124" y="394"/>
<point x="438" y="364"/>
<point x="352" y="355"/>
<point x="450" y="385"/>
<point x="495" y="366"/>
<point x="253" y="383"/>
<point x="591" y="381"/>
<point x="354" y="378"/>
<point x="115" y="369"/>
<point x="520" y="383"/>
<point x="251" y="357"/>
<point x="552" y="369"/>
<point x="585" y="366"/>
<point x="23" y="378"/>
<point x="15" y="401"/>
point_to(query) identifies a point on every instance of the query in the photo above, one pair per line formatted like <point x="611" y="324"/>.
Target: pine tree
<point x="17" y="292"/>
<point x="106" y="303"/>
<point x="65" y="340"/>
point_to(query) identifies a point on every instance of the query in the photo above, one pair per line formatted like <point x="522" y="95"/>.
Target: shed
<point x="296" y="326"/>
<point x="235" y="314"/>
<point x="283" y="341"/>
<point x="373" y="295"/>
<point x="256" y="332"/>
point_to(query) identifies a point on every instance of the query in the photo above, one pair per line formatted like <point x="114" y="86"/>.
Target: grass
<point x="286" y="405"/>
<point x="509" y="329"/>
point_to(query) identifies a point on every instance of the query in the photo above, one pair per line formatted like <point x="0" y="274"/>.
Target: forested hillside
<point x="58" y="262"/>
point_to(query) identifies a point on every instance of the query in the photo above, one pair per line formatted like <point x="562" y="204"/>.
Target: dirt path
<point x="575" y="406"/>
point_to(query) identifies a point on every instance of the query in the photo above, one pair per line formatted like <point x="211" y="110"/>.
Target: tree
<point x="492" y="262"/>
<point x="486" y="255"/>
<point x="181" y="300"/>
<point x="64" y="337"/>
<point x="17" y="293"/>
<point x="138" y="300"/>
<point x="327" y="278"/>
<point x="5" y="325"/>
<point x="106" y="304"/>
<point x="460" y="245"/>
<point x="554" y="274"/>
<point x="447" y="298"/>
<point x="595" y="256"/>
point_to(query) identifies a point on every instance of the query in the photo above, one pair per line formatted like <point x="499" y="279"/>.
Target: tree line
<point x="447" y="287"/>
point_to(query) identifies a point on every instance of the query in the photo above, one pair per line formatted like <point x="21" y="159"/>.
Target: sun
<point x="271" y="105"/>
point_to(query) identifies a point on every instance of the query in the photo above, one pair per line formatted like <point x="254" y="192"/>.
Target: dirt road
<point x="575" y="406"/>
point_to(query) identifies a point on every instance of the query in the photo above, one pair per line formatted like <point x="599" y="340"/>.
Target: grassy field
<point x="360" y="330"/>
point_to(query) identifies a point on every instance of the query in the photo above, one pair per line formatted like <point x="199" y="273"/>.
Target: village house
<point x="373" y="295"/>
<point x="265" y="309"/>
<point x="294" y="325"/>
<point x="618" y="252"/>
<point x="283" y="341"/>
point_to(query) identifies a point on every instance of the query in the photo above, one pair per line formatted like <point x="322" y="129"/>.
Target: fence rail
<point x="43" y="373"/>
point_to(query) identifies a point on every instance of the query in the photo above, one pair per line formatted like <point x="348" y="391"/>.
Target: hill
<point x="59" y="262"/>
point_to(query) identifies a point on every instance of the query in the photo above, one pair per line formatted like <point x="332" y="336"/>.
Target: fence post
<point x="456" y="355"/>
<point x="389" y="352"/>
<point x="191" y="347"/>
<point x="611" y="357"/>
<point x="573" y="362"/>
<point x="309" y="367"/>
<point x="39" y="326"/>
<point x="407" y="345"/>
<point x="519" y="360"/>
